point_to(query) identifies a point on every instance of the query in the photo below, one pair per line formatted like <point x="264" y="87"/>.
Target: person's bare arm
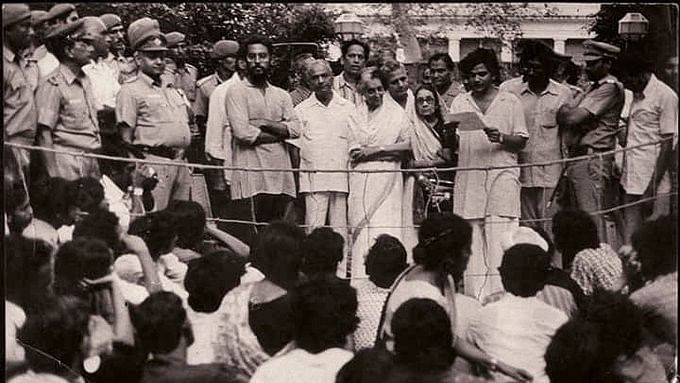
<point x="233" y="243"/>
<point x="137" y="246"/>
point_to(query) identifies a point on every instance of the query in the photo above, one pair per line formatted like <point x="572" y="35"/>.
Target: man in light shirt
<point x="261" y="118"/>
<point x="653" y="116"/>
<point x="327" y="121"/>
<point x="354" y="56"/>
<point x="518" y="328"/>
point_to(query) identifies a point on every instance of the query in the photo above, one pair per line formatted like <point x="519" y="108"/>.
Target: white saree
<point x="376" y="200"/>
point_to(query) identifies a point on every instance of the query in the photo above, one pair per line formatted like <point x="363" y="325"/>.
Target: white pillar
<point x="506" y="54"/>
<point x="454" y="48"/>
<point x="560" y="46"/>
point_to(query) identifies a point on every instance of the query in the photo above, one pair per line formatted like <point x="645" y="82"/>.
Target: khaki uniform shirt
<point x="19" y="111"/>
<point x="244" y="102"/>
<point x="204" y="88"/>
<point x="66" y="105"/>
<point x="540" y="112"/>
<point x="157" y="114"/>
<point x="605" y="101"/>
<point x="182" y="78"/>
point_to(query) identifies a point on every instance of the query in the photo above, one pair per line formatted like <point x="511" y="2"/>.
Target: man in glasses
<point x="67" y="116"/>
<point x="541" y="97"/>
<point x="592" y="126"/>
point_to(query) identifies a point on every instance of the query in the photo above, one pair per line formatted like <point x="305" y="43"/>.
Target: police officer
<point x="20" y="115"/>
<point x="59" y="15"/>
<point x="123" y="66"/>
<point x="592" y="123"/>
<point x="154" y="116"/>
<point x="177" y="70"/>
<point x="224" y="56"/>
<point x="67" y="114"/>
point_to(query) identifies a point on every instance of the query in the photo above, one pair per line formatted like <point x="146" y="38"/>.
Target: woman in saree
<point x="380" y="141"/>
<point x="433" y="144"/>
<point x="441" y="258"/>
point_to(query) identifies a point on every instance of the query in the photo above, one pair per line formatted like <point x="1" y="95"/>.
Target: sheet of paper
<point x="466" y="121"/>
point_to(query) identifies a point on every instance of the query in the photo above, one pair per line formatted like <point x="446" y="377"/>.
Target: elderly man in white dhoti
<point x="379" y="141"/>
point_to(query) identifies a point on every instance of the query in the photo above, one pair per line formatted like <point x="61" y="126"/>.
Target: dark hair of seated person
<point x="573" y="230"/>
<point x="100" y="224"/>
<point x="277" y="253"/>
<point x="53" y="335"/>
<point x="586" y="348"/>
<point x="51" y="199"/>
<point x="321" y="252"/>
<point x="211" y="277"/>
<point x="160" y="322"/>
<point x="656" y="243"/>
<point x="84" y="258"/>
<point x="444" y="246"/>
<point x="28" y="271"/>
<point x="367" y="366"/>
<point x="524" y="270"/>
<point x="88" y="194"/>
<point x="422" y="336"/>
<point x="190" y="222"/>
<point x="157" y="229"/>
<point x="386" y="259"/>
<point x="324" y="313"/>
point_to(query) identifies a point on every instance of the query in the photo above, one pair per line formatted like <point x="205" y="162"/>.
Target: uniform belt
<point x="162" y="151"/>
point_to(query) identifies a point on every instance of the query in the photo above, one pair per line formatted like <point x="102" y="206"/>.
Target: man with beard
<point x="59" y="15"/>
<point x="592" y="124"/>
<point x="327" y="121"/>
<point x="153" y="116"/>
<point x="488" y="199"/>
<point x="104" y="81"/>
<point x="441" y="67"/>
<point x="124" y="67"/>
<point x="67" y="114"/>
<point x="261" y="117"/>
<point x="354" y="56"/>
<point x="20" y="113"/>
<point x="541" y="97"/>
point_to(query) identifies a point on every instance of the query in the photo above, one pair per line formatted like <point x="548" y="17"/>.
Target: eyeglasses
<point x="423" y="100"/>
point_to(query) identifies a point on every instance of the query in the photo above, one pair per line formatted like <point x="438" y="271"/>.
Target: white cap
<point x="523" y="235"/>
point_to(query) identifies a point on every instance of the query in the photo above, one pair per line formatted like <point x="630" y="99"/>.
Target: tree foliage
<point x="660" y="43"/>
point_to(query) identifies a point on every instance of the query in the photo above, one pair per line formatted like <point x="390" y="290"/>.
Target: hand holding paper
<point x="466" y="121"/>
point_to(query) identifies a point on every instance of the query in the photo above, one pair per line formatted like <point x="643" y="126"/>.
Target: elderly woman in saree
<point x="433" y="144"/>
<point x="379" y="142"/>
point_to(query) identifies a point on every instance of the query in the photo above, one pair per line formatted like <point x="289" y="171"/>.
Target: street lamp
<point x="633" y="26"/>
<point x="349" y="26"/>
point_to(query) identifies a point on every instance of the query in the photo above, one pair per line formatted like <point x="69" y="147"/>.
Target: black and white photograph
<point x="218" y="192"/>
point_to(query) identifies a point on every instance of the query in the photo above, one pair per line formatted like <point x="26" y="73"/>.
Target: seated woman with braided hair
<point x="441" y="258"/>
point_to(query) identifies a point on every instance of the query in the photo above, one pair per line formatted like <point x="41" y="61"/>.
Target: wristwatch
<point x="500" y="138"/>
<point x="493" y="364"/>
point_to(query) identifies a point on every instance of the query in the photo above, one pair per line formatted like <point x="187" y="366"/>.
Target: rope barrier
<point x="409" y="170"/>
<point x="533" y="220"/>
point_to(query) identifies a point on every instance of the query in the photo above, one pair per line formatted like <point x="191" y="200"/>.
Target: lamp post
<point x="633" y="27"/>
<point x="349" y="26"/>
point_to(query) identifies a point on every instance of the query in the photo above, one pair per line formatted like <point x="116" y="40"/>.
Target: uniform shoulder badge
<point x="53" y="78"/>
